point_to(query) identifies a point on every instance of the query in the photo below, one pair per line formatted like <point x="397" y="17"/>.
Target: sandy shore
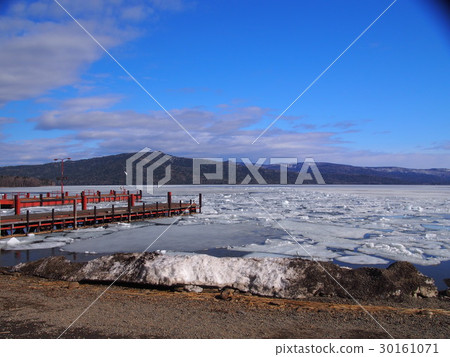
<point x="38" y="308"/>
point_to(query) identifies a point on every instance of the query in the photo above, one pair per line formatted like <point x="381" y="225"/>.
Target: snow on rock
<point x="277" y="277"/>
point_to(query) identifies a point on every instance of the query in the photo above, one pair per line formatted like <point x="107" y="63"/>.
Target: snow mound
<point x="260" y="276"/>
<point x="276" y="277"/>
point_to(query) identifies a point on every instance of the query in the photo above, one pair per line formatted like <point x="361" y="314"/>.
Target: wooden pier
<point x="19" y="200"/>
<point x="22" y="224"/>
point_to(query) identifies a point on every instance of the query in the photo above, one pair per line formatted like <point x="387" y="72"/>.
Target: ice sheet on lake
<point x="353" y="224"/>
<point x="29" y="243"/>
<point x="187" y="238"/>
<point x="361" y="259"/>
<point x="398" y="251"/>
<point x="287" y="247"/>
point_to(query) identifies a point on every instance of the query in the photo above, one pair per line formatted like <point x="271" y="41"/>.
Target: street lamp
<point x="62" y="175"/>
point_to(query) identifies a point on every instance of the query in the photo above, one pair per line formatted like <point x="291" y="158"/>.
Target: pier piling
<point x="17" y="205"/>
<point x="169" y="203"/>
<point x="75" y="219"/>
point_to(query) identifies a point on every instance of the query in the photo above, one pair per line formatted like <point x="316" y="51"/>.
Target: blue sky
<point x="225" y="70"/>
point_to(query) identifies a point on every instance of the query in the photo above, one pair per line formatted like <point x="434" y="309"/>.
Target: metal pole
<point x="62" y="176"/>
<point x="199" y="203"/>
<point x="62" y="180"/>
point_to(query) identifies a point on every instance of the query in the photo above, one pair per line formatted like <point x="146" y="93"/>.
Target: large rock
<point x="278" y="277"/>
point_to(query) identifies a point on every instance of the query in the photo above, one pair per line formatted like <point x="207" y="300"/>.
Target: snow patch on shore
<point x="257" y="275"/>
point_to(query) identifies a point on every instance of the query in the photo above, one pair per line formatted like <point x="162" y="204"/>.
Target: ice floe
<point x="352" y="224"/>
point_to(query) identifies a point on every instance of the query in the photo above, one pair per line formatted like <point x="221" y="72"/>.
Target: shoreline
<point x="35" y="307"/>
<point x="10" y="258"/>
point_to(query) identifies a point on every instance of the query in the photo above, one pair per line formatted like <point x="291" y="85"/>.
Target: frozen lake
<point x="351" y="225"/>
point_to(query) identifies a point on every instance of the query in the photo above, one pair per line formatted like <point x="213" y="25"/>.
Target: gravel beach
<point x="33" y="307"/>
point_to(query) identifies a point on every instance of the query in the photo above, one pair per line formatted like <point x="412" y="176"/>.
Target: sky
<point x="210" y="76"/>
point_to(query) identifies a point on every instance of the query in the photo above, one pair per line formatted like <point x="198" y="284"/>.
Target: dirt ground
<point x="31" y="307"/>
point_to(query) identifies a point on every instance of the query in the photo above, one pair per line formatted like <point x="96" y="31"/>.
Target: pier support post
<point x="143" y="210"/>
<point x="199" y="203"/>
<point x="28" y="221"/>
<point x="83" y="201"/>
<point x="41" y="199"/>
<point x="112" y="213"/>
<point x="129" y="208"/>
<point x="53" y="219"/>
<point x="169" y="203"/>
<point x="17" y="205"/>
<point x="75" y="218"/>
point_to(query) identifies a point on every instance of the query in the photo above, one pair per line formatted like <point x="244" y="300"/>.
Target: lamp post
<point x="62" y="175"/>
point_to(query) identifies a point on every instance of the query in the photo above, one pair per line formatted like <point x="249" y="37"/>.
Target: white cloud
<point x="48" y="58"/>
<point x="97" y="132"/>
<point x="42" y="48"/>
<point x="221" y="134"/>
<point x="40" y="150"/>
<point x="6" y="120"/>
<point x="136" y="13"/>
<point x="171" y="5"/>
<point x="82" y="104"/>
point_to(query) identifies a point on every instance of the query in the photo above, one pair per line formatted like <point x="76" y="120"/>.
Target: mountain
<point x="19" y="181"/>
<point x="347" y="174"/>
<point x="110" y="170"/>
